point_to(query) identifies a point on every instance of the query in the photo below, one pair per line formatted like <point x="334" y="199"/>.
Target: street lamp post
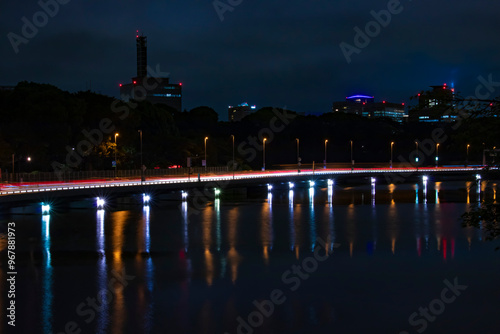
<point x="352" y="161"/>
<point x="116" y="148"/>
<point x="206" y="154"/>
<point x="392" y="145"/>
<point x="233" y="156"/>
<point x="326" y="142"/>
<point x="417" y="157"/>
<point x="142" y="165"/>
<point x="264" y="155"/>
<point x="13" y="170"/>
<point x="298" y="155"/>
<point x="437" y="154"/>
<point x="467" y="156"/>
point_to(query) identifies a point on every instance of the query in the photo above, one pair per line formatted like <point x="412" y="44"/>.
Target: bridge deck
<point x="36" y="191"/>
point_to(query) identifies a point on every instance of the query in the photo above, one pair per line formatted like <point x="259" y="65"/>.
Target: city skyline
<point x="274" y="54"/>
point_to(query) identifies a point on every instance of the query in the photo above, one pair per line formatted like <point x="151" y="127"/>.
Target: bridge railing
<point x="40" y="177"/>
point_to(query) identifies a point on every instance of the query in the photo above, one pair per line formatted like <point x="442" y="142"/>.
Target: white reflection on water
<point x="48" y="296"/>
<point x="312" y="218"/>
<point x="425" y="191"/>
<point x="217" y="223"/>
<point x="291" y="219"/>
<point x="185" y="225"/>
<point x="373" y="194"/>
<point x="102" y="269"/>
<point x="267" y="232"/>
<point x="330" y="194"/>
<point x="146" y="267"/>
<point x="146" y="233"/>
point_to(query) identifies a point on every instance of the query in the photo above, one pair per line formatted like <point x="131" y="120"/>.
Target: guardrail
<point x="26" y="188"/>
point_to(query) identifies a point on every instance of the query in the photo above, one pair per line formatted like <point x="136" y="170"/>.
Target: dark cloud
<point x="280" y="53"/>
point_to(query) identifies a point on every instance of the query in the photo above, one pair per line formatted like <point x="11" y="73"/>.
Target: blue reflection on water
<point x="47" y="316"/>
<point x="292" y="220"/>
<point x="217" y="223"/>
<point x="147" y="237"/>
<point x="185" y="225"/>
<point x="149" y="271"/>
<point x="312" y="218"/>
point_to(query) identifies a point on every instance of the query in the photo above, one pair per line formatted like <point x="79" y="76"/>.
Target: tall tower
<point x="142" y="55"/>
<point x="152" y="89"/>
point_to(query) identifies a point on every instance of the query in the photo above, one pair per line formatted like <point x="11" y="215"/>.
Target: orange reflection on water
<point x="233" y="256"/>
<point x="206" y="226"/>
<point x="119" y="220"/>
<point x="234" y="260"/>
<point x="209" y="267"/>
<point x="351" y="227"/>
<point x="266" y="228"/>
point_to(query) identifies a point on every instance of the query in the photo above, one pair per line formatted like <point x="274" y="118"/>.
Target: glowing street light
<point x="467" y="156"/>
<point x="100" y="203"/>
<point x="326" y="142"/>
<point x="116" y="148"/>
<point x="392" y="145"/>
<point x="352" y="161"/>
<point x="206" y="138"/>
<point x="298" y="155"/>
<point x="264" y="155"/>
<point x="233" y="156"/>
<point x="417" y="159"/>
<point x="45" y="209"/>
<point x="437" y="154"/>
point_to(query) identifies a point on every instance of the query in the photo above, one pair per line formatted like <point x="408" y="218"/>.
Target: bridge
<point x="211" y="185"/>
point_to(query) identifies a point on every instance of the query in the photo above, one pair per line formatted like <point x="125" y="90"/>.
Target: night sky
<point x="269" y="53"/>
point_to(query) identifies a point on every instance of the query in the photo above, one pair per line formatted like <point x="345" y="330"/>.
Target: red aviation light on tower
<point x="180" y="84"/>
<point x="120" y="85"/>
<point x="135" y="82"/>
<point x="383" y="101"/>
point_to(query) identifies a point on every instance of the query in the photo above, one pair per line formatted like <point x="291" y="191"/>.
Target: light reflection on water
<point x="219" y="244"/>
<point x="102" y="272"/>
<point x="47" y="304"/>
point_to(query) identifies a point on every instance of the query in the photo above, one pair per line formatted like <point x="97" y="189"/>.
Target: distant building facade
<point x="435" y="105"/>
<point x="237" y="113"/>
<point x="152" y="89"/>
<point x="366" y="106"/>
